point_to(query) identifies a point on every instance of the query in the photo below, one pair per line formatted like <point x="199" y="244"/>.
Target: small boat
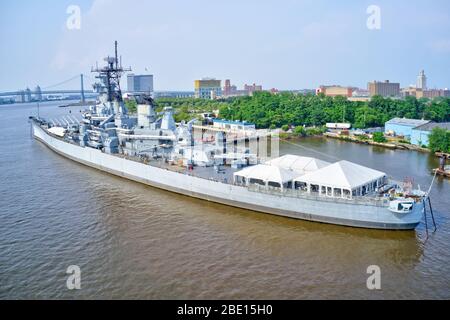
<point x="445" y="172"/>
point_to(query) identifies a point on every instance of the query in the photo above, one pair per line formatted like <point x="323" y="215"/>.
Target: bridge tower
<point x="82" y="89"/>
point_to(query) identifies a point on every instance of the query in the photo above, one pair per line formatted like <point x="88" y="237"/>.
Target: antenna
<point x="115" y="51"/>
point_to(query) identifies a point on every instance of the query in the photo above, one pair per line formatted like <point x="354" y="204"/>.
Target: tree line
<point x="275" y="110"/>
<point x="267" y="110"/>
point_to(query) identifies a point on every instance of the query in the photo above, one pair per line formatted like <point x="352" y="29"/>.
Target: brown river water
<point x="135" y="241"/>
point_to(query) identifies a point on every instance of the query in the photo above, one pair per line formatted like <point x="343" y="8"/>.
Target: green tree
<point x="300" y="131"/>
<point x="267" y="110"/>
<point x="131" y="105"/>
<point x="439" y="140"/>
<point x="379" y="137"/>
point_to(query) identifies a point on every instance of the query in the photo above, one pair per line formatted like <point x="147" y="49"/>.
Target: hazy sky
<point x="287" y="44"/>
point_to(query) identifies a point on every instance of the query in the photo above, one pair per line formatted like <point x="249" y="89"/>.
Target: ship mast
<point x="109" y="77"/>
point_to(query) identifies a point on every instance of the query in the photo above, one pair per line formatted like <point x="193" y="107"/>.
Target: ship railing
<point x="295" y="193"/>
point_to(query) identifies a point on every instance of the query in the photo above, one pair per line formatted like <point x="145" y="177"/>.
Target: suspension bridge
<point x="40" y="94"/>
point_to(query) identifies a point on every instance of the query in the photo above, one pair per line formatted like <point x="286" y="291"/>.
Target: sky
<point x="284" y="44"/>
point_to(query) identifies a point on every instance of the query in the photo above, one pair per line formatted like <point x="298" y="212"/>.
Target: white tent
<point x="342" y="178"/>
<point x="300" y="165"/>
<point x="265" y="174"/>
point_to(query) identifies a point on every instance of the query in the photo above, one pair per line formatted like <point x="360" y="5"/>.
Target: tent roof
<point x="300" y="165"/>
<point x="267" y="173"/>
<point x="342" y="174"/>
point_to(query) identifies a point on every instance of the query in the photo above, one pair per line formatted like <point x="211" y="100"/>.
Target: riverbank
<point x="389" y="145"/>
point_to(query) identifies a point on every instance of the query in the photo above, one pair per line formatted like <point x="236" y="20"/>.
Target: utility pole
<point x="82" y="89"/>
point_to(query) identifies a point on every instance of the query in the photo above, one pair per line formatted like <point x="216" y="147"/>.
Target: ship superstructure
<point x="220" y="165"/>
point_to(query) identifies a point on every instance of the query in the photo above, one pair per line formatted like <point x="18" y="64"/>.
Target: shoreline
<point x="387" y="145"/>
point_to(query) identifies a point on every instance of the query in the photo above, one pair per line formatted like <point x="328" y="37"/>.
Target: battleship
<point x="217" y="163"/>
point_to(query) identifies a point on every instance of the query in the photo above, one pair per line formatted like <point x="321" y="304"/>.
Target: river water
<point x="134" y="241"/>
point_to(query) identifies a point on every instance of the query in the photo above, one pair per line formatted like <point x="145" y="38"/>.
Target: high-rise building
<point x="421" y="81"/>
<point x="140" y="83"/>
<point x="384" y="89"/>
<point x="207" y="88"/>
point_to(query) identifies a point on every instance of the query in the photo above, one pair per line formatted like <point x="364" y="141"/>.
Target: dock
<point x="443" y="173"/>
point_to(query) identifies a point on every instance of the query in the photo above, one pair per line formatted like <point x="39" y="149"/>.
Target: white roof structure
<point x="342" y="174"/>
<point x="58" y="131"/>
<point x="267" y="173"/>
<point x="408" y="122"/>
<point x="300" y="165"/>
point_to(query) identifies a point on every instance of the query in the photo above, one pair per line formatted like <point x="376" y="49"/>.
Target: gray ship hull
<point x="325" y="211"/>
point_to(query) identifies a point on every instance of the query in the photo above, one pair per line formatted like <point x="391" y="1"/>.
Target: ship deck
<point x="225" y="175"/>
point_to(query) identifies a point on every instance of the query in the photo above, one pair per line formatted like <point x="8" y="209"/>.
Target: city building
<point x="233" y="125"/>
<point x="334" y="91"/>
<point x="207" y="88"/>
<point x="403" y="127"/>
<point x="420" y="134"/>
<point x="421" y="81"/>
<point x="274" y="91"/>
<point x="252" y="88"/>
<point x="435" y="93"/>
<point x="140" y="83"/>
<point x="430" y="93"/>
<point x="412" y="92"/>
<point x="421" y="90"/>
<point x="385" y="89"/>
<point x="357" y="92"/>
<point x="229" y="89"/>
<point x="361" y="95"/>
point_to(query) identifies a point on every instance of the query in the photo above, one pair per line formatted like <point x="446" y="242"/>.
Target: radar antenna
<point x="109" y="77"/>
